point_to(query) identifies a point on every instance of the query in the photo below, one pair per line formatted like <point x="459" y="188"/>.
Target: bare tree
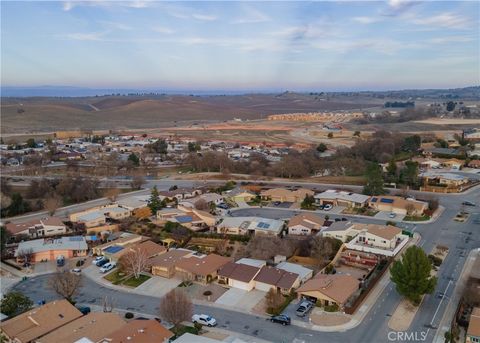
<point x="25" y="254"/>
<point x="108" y="305"/>
<point x="137" y="182"/>
<point x="134" y="262"/>
<point x="273" y="300"/>
<point x="201" y="204"/>
<point x="321" y="249"/>
<point x="176" y="307"/>
<point x="65" y="284"/>
<point x="112" y="194"/>
<point x="52" y="204"/>
<point x="410" y="209"/>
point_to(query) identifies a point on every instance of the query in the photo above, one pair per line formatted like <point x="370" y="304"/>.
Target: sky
<point x="301" y="45"/>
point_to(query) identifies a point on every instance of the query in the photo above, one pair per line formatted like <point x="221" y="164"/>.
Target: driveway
<point x="157" y="286"/>
<point x="384" y="215"/>
<point x="241" y="299"/>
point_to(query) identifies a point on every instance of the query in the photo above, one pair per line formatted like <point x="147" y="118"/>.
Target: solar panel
<point x="113" y="250"/>
<point x="386" y="201"/>
<point x="374" y="199"/>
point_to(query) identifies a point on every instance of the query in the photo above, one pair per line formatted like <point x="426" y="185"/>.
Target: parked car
<point x="97" y="259"/>
<point x="321" y="207"/>
<point x="328" y="207"/>
<point x="107" y="267"/>
<point x="344" y="219"/>
<point x="204" y="320"/>
<point x="337" y="219"/>
<point x="223" y="206"/>
<point x="468" y="203"/>
<point x="281" y="319"/>
<point x="392" y="215"/>
<point x="76" y="270"/>
<point x="304" y="308"/>
<point x="84" y="309"/>
<point x="102" y="262"/>
<point x="276" y="203"/>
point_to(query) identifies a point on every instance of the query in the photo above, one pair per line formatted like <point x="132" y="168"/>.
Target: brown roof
<point x="474" y="325"/>
<point x="151" y="248"/>
<point x="310" y="220"/>
<point x="140" y="331"/>
<point x="338" y="287"/>
<point x="15" y="229"/>
<point x="399" y="202"/>
<point x="40" y="321"/>
<point x="169" y="259"/>
<point x="53" y="221"/>
<point x="238" y="271"/>
<point x="93" y="326"/>
<point x="384" y="231"/>
<point x="276" y="277"/>
<point x="203" y="266"/>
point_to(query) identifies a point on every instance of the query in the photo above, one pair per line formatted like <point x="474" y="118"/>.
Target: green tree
<point x="451" y="106"/>
<point x="154" y="202"/>
<point x="159" y="146"/>
<point x="441" y="143"/>
<point x="17" y="206"/>
<point x="134" y="159"/>
<point x="321" y="147"/>
<point x="412" y="143"/>
<point x="31" y="143"/>
<point x="410" y="173"/>
<point x="392" y="169"/>
<point x="15" y="303"/>
<point x="4" y="237"/>
<point x="412" y="276"/>
<point x="308" y="202"/>
<point x="374" y="184"/>
<point x="193" y="146"/>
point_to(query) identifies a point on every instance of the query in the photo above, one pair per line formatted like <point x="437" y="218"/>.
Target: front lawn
<point x="416" y="218"/>
<point x="132" y="282"/>
<point x="115" y="277"/>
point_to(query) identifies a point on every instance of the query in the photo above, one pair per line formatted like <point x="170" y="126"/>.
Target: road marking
<point x="438" y="307"/>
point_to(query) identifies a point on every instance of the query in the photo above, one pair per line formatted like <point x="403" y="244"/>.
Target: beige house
<point x="98" y="215"/>
<point x="124" y="240"/>
<point x="343" y="230"/>
<point x="399" y="205"/>
<point x="241" y="195"/>
<point x="45" y="227"/>
<point x="379" y="236"/>
<point x="238" y="275"/>
<point x="341" y="198"/>
<point x="285" y="195"/>
<point x="305" y="224"/>
<point x="189" y="217"/>
<point x="330" y="289"/>
<point x="165" y="264"/>
<point x="203" y="269"/>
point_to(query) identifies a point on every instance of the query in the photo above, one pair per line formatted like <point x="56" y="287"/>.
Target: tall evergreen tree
<point x="374" y="185"/>
<point x="154" y="202"/>
<point x="411" y="275"/>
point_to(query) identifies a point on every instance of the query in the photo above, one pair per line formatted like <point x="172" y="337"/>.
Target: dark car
<point x="337" y="219"/>
<point x="321" y="207"/>
<point x="102" y="262"/>
<point x="344" y="219"/>
<point x="276" y="203"/>
<point x="84" y="309"/>
<point x="468" y="203"/>
<point x="281" y="319"/>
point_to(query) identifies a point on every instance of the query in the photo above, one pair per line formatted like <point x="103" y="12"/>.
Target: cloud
<point x="69" y="5"/>
<point x="397" y="7"/>
<point x="445" y="20"/>
<point x="92" y="36"/>
<point x="366" y="20"/>
<point x="163" y="29"/>
<point x="451" y="39"/>
<point x="115" y="25"/>
<point x="252" y="15"/>
<point x="204" y="17"/>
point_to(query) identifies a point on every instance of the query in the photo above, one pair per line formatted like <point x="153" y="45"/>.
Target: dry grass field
<point x="28" y="115"/>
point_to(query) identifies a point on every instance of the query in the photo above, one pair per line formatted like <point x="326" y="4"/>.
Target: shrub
<point x="331" y="308"/>
<point x="129" y="315"/>
<point x="436" y="261"/>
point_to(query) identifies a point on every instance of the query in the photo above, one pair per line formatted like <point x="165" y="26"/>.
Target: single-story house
<point x="98" y="215"/>
<point x="277" y="279"/>
<point x="203" y="269"/>
<point x="39" y="321"/>
<point x="124" y="239"/>
<point x="93" y="326"/>
<point x="341" y="198"/>
<point x="45" y="227"/>
<point x="329" y="289"/>
<point x="444" y="179"/>
<point x="238" y="275"/>
<point x="399" y="205"/>
<point x="305" y="224"/>
<point x="209" y="198"/>
<point x="151" y="249"/>
<point x="139" y="331"/>
<point x="189" y="217"/>
<point x="454" y="163"/>
<point x="180" y="193"/>
<point x="285" y="195"/>
<point x="447" y="152"/>
<point x="473" y="330"/>
<point x="164" y="264"/>
<point x="137" y="205"/>
<point x="381" y="236"/>
<point x="49" y="249"/>
<point x="474" y="164"/>
<point x="250" y="225"/>
<point x="343" y="230"/>
<point x="239" y="194"/>
<point x="304" y="274"/>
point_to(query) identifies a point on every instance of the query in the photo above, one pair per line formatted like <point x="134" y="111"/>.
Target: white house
<point x="250" y="225"/>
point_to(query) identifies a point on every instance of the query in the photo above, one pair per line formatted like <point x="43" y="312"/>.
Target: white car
<point x="97" y="259"/>
<point x="392" y="215"/>
<point x="109" y="266"/>
<point x="327" y="207"/>
<point x="204" y="320"/>
<point x="76" y="270"/>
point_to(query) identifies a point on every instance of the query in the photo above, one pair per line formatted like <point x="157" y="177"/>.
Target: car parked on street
<point x="392" y="215"/>
<point x="468" y="203"/>
<point x="281" y="319"/>
<point x="204" y="320"/>
<point x="303" y="308"/>
<point x="107" y="267"/>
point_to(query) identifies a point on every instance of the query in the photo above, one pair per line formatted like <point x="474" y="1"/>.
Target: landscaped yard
<point x="115" y="277"/>
<point x="416" y="218"/>
<point x="132" y="282"/>
<point x="363" y="211"/>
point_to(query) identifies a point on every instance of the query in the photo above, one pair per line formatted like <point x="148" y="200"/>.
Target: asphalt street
<point x="459" y="237"/>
